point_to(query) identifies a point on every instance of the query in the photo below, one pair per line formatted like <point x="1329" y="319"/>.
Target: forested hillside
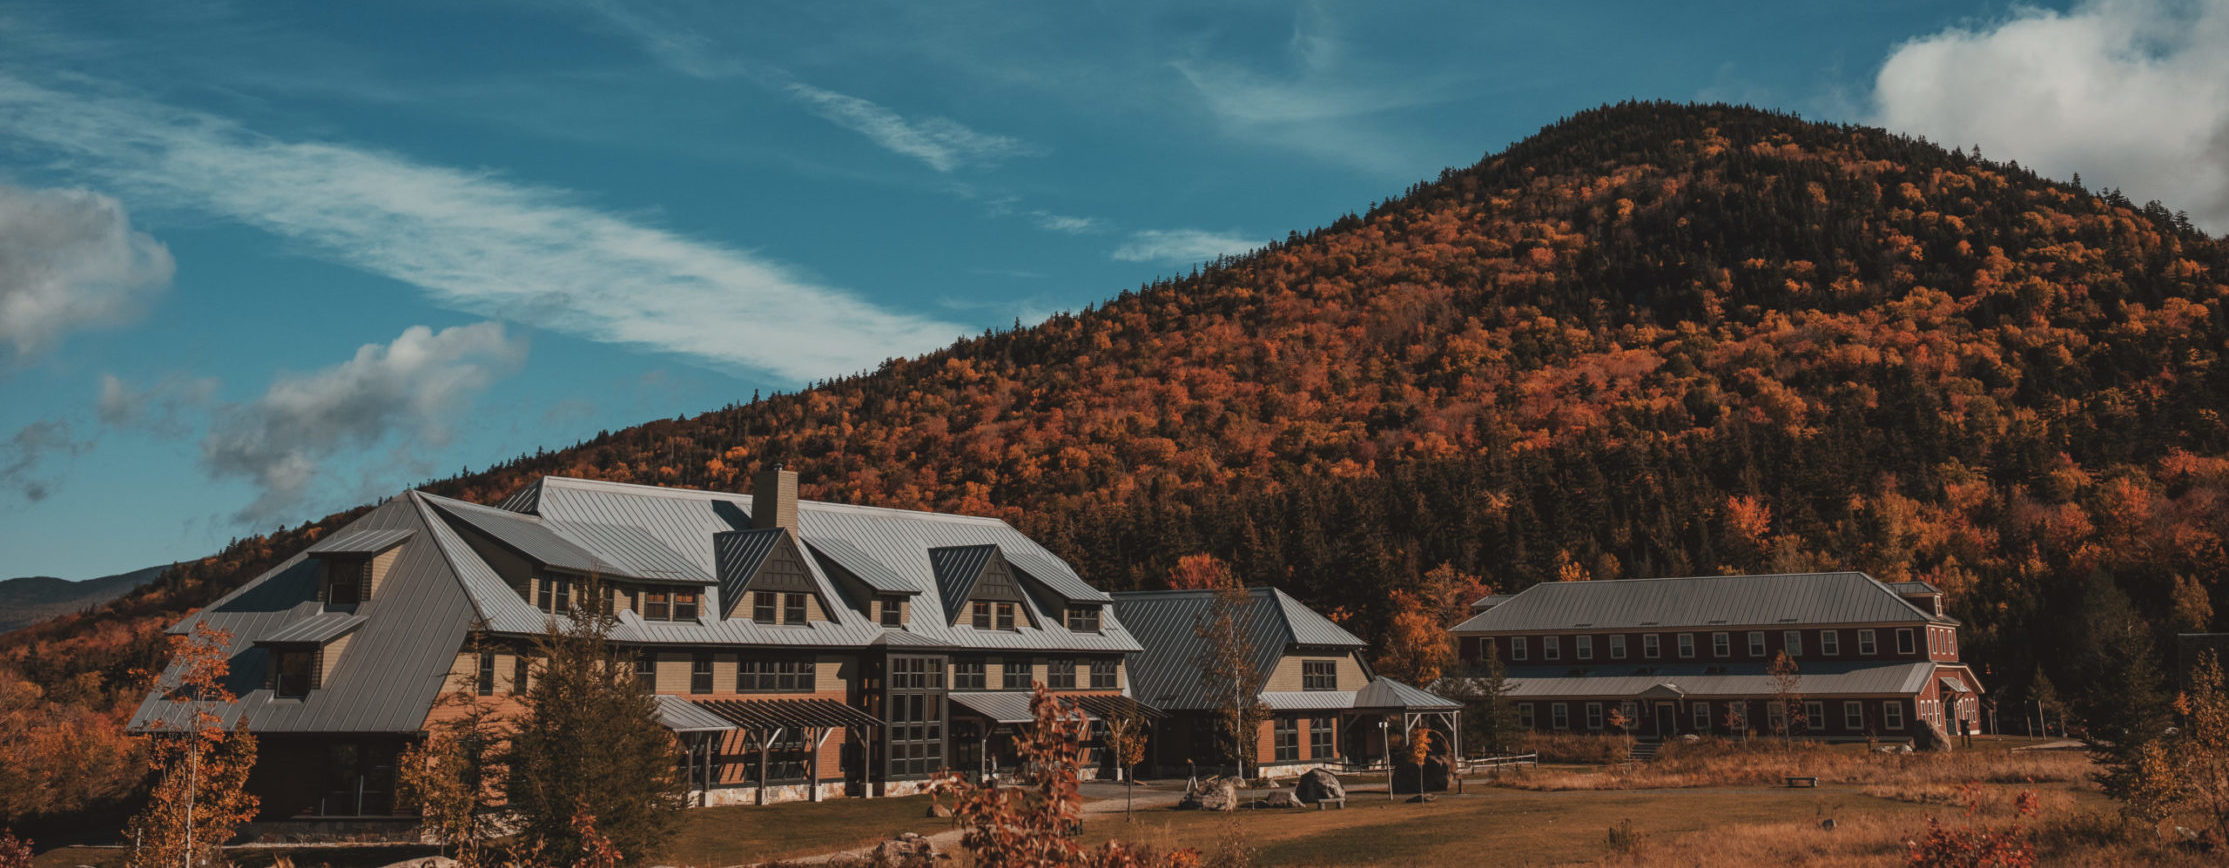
<point x="1653" y="339"/>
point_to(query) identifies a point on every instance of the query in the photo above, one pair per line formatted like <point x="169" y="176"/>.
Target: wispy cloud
<point x="2130" y="93"/>
<point x="1182" y="245"/>
<point x="1066" y="224"/>
<point x="473" y="241"/>
<point x="24" y="458"/>
<point x="69" y="260"/>
<point x="941" y="143"/>
<point x="165" y="408"/>
<point x="410" y="388"/>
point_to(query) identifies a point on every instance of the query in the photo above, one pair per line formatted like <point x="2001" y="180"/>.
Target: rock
<point x="1280" y="798"/>
<point x="1827" y="824"/>
<point x="939" y="809"/>
<point x="1435" y="776"/>
<point x="909" y="848"/>
<point x="1691" y="738"/>
<point x="1421" y="798"/>
<point x="1318" y="785"/>
<point x="1213" y="794"/>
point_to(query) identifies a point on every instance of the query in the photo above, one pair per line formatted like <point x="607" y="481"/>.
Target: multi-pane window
<point x="1686" y="646"/>
<point x="1617" y="646"/>
<point x="1060" y="674"/>
<point x="979" y="614"/>
<point x="1632" y="712"/>
<point x="914" y="717"/>
<point x="1083" y="619"/>
<point x="1517" y="649"/>
<point x="646" y="668"/>
<point x="1551" y="647"/>
<point x="1559" y="716"/>
<point x="1814" y="713"/>
<point x="554" y="595"/>
<point x="1103" y="675"/>
<point x="1584" y="645"/>
<point x="684" y="605"/>
<point x="1791" y="641"/>
<point x="1288" y="739"/>
<point x="916" y="673"/>
<point x="486" y="685"/>
<point x="1320" y="738"/>
<point x="1524" y="715"/>
<point x="1651" y="646"/>
<point x="1892" y="715"/>
<point x="1013" y="673"/>
<point x="1594" y="716"/>
<point x="1904" y="641"/>
<point x="1865" y="645"/>
<point x="657" y="606"/>
<point x="700" y="672"/>
<point x="967" y="675"/>
<point x="793" y="608"/>
<point x="793" y="675"/>
<point x="1950" y="643"/>
<point x="1319" y="675"/>
<point x="786" y="759"/>
<point x="1701" y="712"/>
<point x="1004" y="613"/>
<point x="763" y="606"/>
<point x="1756" y="643"/>
<point x="518" y="675"/>
<point x="1853" y="715"/>
<point x="1830" y="642"/>
<point x="1721" y="645"/>
<point x="893" y="612"/>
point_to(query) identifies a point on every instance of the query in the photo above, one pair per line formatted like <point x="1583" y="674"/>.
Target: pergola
<point x="1010" y="710"/>
<point x="762" y="722"/>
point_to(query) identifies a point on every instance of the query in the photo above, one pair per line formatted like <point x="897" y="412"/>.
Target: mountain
<point x="1652" y="339"/>
<point x="30" y="599"/>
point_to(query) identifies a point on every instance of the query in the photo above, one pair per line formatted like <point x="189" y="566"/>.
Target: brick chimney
<point x="774" y="499"/>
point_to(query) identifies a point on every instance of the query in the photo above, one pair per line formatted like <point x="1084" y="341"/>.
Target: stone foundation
<point x="775" y="794"/>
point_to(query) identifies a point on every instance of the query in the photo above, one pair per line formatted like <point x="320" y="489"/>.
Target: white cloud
<point x="473" y="241"/>
<point x="1182" y="245"/>
<point x="1064" y="223"/>
<point x="162" y="408"/>
<point x="2131" y="93"/>
<point x="24" y="456"/>
<point x="412" y="388"/>
<point x="942" y="143"/>
<point x="70" y="260"/>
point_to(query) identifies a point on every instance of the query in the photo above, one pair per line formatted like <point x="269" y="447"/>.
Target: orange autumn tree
<point x="200" y="769"/>
<point x="1418" y="647"/>
<point x="1201" y="572"/>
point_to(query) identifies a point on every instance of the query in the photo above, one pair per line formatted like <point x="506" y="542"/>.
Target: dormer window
<point x="669" y="606"/>
<point x="553" y="595"/>
<point x="892" y="611"/>
<point x="346" y="580"/>
<point x="987" y="615"/>
<point x="293" y="672"/>
<point x="793" y="608"/>
<point x="762" y="606"/>
<point x="1083" y="619"/>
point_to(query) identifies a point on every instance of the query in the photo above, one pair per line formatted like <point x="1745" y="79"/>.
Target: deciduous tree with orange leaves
<point x="200" y="767"/>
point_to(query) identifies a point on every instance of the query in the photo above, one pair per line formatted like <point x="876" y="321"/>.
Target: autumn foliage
<point x="200" y="767"/>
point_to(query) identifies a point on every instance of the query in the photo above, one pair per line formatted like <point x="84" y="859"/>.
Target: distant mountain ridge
<point x="1651" y="340"/>
<point x="31" y="599"/>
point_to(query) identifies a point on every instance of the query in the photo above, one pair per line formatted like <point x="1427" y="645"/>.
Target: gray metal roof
<point x="397" y="660"/>
<point x="957" y="568"/>
<point x="1818" y="679"/>
<point x="316" y="629"/>
<point x="1699" y="602"/>
<point x="633" y="550"/>
<point x="1166" y="672"/>
<point x="528" y="535"/>
<point x="740" y="553"/>
<point x="861" y="565"/>
<point x="681" y="715"/>
<point x="1308" y="700"/>
<point x="1383" y="692"/>
<point x="1011" y="706"/>
<point x="360" y="541"/>
<point x="1913" y="587"/>
<point x="1052" y="573"/>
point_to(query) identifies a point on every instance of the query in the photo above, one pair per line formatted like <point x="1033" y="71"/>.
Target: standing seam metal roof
<point x="1166" y="673"/>
<point x="1699" y="602"/>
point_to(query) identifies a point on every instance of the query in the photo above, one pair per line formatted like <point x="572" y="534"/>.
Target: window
<point x="762" y="606"/>
<point x="1014" y="674"/>
<point x="1617" y="646"/>
<point x="486" y="687"/>
<point x="1814" y="714"/>
<point x="792" y="675"/>
<point x="1321" y="741"/>
<point x="657" y="606"/>
<point x="1650" y="646"/>
<point x="1005" y="615"/>
<point x="1865" y="646"/>
<point x="347" y="581"/>
<point x="1551" y="647"/>
<point x="1776" y="718"/>
<point x="1319" y="675"/>
<point x="1584" y="645"/>
<point x="1702" y="716"/>
<point x="1721" y="645"/>
<point x="786" y="759"/>
<point x="1892" y="715"/>
<point x="1083" y="619"/>
<point x="1791" y="641"/>
<point x="518" y="675"/>
<point x="1632" y="713"/>
<point x="1517" y="649"/>
<point x="1103" y="675"/>
<point x="554" y="596"/>
<point x="967" y="675"/>
<point x="684" y="605"/>
<point x="294" y="672"/>
<point x="1594" y="717"/>
<point x="793" y="608"/>
<point x="1288" y="739"/>
<point x="1559" y="716"/>
<point x="1830" y="642"/>
<point x="1950" y="643"/>
<point x="700" y="673"/>
<point x="1853" y="715"/>
<point x="979" y="615"/>
<point x="1756" y="643"/>
<point x="1060" y="674"/>
<point x="1524" y="715"/>
<point x="893" y="612"/>
<point x="1686" y="646"/>
<point x="646" y="668"/>
<point x="913" y="732"/>
<point x="1904" y="641"/>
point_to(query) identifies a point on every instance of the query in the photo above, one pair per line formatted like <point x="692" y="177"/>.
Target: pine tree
<point x="1489" y="724"/>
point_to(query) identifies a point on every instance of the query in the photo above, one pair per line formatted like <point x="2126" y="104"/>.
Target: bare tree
<point x="1227" y="670"/>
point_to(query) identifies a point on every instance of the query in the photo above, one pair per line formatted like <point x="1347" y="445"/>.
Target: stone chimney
<point x="774" y="499"/>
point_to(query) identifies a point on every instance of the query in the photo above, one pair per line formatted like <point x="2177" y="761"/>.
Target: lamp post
<point x="1385" y="744"/>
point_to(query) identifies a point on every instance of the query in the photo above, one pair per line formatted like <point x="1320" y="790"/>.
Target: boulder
<point x="909" y="848"/>
<point x="1435" y="776"/>
<point x="938" y="810"/>
<point x="1280" y="798"/>
<point x="1318" y="785"/>
<point x="1213" y="794"/>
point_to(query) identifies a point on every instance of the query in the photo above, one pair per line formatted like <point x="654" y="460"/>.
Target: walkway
<point x="1101" y="799"/>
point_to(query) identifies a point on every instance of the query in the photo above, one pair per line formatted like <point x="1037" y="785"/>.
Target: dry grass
<point x="1717" y="763"/>
<point x="1565" y="747"/>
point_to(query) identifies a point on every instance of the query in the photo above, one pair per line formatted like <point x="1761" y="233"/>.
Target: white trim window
<point x="1853" y="715"/>
<point x="1756" y="643"/>
<point x="1776" y="717"/>
<point x="1632" y="712"/>
<point x="1721" y="645"/>
<point x="1617" y="646"/>
<point x="1830" y="643"/>
<point x="1517" y="650"/>
<point x="1686" y="646"/>
<point x="1814" y="714"/>
<point x="1791" y="641"/>
<point x="1524" y="714"/>
<point x="1701" y="712"/>
<point x="1652" y="646"/>
<point x="1904" y="644"/>
<point x="1950" y="644"/>
<point x="1892" y="714"/>
<point x="1551" y="647"/>
<point x="1865" y="644"/>
<point x="1584" y="647"/>
<point x="1559" y="716"/>
<point x="1594" y="717"/>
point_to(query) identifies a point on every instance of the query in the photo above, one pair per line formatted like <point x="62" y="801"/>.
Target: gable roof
<point x="957" y="568"/>
<point x="1700" y="602"/>
<point x="360" y="541"/>
<point x="1165" y="673"/>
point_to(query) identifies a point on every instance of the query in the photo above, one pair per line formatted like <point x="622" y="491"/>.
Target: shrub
<point x="1564" y="747"/>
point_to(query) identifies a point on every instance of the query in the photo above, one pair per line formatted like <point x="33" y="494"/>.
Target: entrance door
<point x="1667" y="722"/>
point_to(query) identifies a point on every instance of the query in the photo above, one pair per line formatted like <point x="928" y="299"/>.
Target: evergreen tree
<point x="2125" y="704"/>
<point x="1489" y="723"/>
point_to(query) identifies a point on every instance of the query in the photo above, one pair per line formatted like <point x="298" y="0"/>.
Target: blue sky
<point x="260" y="262"/>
